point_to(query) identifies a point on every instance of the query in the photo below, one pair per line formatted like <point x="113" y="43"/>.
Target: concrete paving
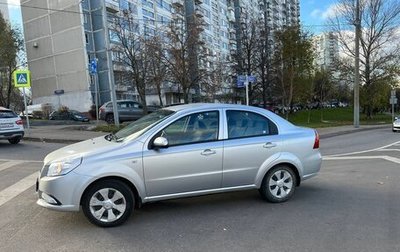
<point x="77" y="133"/>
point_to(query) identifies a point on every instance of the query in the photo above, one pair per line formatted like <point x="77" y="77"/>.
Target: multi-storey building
<point x="65" y="38"/>
<point x="327" y="50"/>
<point x="4" y="9"/>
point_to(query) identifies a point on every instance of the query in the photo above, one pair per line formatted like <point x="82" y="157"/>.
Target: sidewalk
<point x="76" y="133"/>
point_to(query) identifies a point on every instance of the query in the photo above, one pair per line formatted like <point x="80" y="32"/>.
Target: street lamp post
<point x="357" y="24"/>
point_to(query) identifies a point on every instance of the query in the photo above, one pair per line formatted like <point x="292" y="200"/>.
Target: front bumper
<point x="396" y="127"/>
<point x="61" y="193"/>
<point x="12" y="134"/>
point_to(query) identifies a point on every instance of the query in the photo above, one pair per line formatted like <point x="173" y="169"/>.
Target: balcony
<point x="112" y="6"/>
<point x="199" y="12"/>
<point x="178" y="3"/>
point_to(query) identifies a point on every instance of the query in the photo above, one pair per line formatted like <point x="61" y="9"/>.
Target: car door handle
<point x="269" y="145"/>
<point x="208" y="152"/>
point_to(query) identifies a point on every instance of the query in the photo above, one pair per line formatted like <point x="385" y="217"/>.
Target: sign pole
<point x="96" y="92"/>
<point x="26" y="110"/>
<point x="246" y="83"/>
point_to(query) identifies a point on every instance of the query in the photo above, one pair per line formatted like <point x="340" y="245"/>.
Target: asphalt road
<point x="353" y="205"/>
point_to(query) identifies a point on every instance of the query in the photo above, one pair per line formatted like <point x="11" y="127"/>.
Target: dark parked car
<point x="68" y="115"/>
<point x="128" y="110"/>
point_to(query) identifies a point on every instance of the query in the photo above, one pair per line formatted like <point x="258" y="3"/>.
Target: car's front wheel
<point x="14" y="140"/>
<point x="278" y="184"/>
<point x="108" y="203"/>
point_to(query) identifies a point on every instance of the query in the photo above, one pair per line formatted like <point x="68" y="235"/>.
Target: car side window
<point x="248" y="124"/>
<point x="194" y="128"/>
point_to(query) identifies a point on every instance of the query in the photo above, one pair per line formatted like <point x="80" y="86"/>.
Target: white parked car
<point x="396" y="124"/>
<point x="11" y="126"/>
<point x="179" y="151"/>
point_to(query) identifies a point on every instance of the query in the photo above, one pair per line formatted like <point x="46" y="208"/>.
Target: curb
<point x="346" y="132"/>
<point x="322" y="136"/>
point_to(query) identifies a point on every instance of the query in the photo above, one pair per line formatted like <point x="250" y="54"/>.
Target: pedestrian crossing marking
<point x="17" y="188"/>
<point x="9" y="164"/>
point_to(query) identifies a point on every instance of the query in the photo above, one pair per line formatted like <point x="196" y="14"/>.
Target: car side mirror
<point x="160" y="142"/>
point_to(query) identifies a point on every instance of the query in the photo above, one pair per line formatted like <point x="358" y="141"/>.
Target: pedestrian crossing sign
<point x="22" y="78"/>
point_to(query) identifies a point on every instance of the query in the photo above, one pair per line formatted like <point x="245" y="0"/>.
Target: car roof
<point x="5" y="109"/>
<point x="207" y="106"/>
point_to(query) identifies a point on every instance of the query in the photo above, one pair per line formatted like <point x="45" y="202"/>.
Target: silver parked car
<point x="127" y="111"/>
<point x="179" y="151"/>
<point x="11" y="126"/>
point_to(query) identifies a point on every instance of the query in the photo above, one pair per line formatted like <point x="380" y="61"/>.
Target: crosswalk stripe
<point x="9" y="164"/>
<point x="17" y="188"/>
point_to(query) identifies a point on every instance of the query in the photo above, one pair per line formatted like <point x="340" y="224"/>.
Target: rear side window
<point x="248" y="124"/>
<point x="7" y="114"/>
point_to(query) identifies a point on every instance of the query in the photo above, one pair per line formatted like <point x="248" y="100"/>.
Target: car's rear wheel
<point x="108" y="203"/>
<point x="14" y="140"/>
<point x="278" y="184"/>
<point x="110" y="118"/>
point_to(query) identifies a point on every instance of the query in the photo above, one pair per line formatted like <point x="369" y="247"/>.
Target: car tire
<point x="14" y="140"/>
<point x="109" y="118"/>
<point x="278" y="184"/>
<point x="108" y="203"/>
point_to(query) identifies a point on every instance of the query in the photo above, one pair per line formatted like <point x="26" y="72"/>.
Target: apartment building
<point x="4" y="9"/>
<point x="327" y="50"/>
<point x="63" y="39"/>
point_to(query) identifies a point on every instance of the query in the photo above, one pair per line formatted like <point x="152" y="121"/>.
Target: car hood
<point x="83" y="149"/>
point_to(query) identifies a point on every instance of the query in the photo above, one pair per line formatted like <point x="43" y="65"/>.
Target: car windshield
<point x="140" y="126"/>
<point x="7" y="114"/>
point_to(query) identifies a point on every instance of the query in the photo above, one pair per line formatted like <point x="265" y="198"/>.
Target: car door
<point x="191" y="162"/>
<point x="136" y="110"/>
<point x="124" y="111"/>
<point x="251" y="140"/>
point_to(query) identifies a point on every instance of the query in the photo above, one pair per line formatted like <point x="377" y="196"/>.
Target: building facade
<point x="326" y="47"/>
<point x="4" y="9"/>
<point x="65" y="40"/>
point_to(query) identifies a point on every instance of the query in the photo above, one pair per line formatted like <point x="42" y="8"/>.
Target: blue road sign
<point x="93" y="66"/>
<point x="252" y="78"/>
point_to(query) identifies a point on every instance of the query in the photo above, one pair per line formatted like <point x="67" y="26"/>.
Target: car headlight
<point x="64" y="166"/>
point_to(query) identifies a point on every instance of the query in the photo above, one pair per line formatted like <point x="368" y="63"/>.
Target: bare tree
<point x="11" y="43"/>
<point x="158" y="69"/>
<point x="247" y="47"/>
<point x="380" y="50"/>
<point x="133" y="43"/>
<point x="183" y="52"/>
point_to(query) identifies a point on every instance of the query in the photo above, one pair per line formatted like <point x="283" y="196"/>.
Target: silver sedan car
<point x="181" y="151"/>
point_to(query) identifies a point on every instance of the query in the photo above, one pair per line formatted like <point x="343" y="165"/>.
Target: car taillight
<point x="316" y="141"/>
<point x="102" y="109"/>
<point x="19" y="122"/>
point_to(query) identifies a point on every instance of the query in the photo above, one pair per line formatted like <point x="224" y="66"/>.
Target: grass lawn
<point x="330" y="117"/>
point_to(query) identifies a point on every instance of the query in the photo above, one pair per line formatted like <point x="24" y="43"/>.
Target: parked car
<point x="180" y="151"/>
<point x="127" y="110"/>
<point x="68" y="115"/>
<point x="11" y="126"/>
<point x="396" y="124"/>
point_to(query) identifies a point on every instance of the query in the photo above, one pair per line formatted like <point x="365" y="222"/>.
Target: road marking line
<point x="388" y="150"/>
<point x="9" y="164"/>
<point x="27" y="161"/>
<point x="388" y="158"/>
<point x="365" y="151"/>
<point x="352" y="158"/>
<point x="17" y="188"/>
